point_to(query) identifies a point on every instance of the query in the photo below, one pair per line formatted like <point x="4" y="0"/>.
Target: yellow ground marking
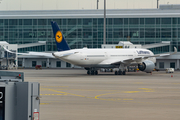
<point x="54" y="86"/>
<point x="111" y="99"/>
<point x="146" y="89"/>
<point x="97" y="96"/>
<point x="85" y="90"/>
<point x="44" y="103"/>
<point x="44" y="89"/>
<point x="131" y="91"/>
<point x="53" y="94"/>
<point x="66" y="93"/>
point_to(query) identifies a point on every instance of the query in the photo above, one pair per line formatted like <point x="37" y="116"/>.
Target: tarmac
<point x="71" y="94"/>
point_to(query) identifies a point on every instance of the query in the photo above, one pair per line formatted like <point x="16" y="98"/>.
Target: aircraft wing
<point x="118" y="61"/>
<point x="63" y="55"/>
<point x="164" y="55"/>
<point x="136" y="59"/>
<point x="43" y="54"/>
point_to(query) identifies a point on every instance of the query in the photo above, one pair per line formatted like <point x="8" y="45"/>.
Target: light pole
<point x="157" y="4"/>
<point x="104" y="41"/>
<point x="97" y="4"/>
<point x="7" y="59"/>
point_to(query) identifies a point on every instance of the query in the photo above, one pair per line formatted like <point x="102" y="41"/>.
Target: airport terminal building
<point x="84" y="28"/>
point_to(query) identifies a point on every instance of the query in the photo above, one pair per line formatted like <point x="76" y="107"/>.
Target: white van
<point x="169" y="70"/>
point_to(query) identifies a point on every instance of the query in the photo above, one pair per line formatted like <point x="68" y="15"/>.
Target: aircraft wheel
<point x="120" y="72"/>
<point x="96" y="72"/>
<point x="124" y="72"/>
<point x="92" y="72"/>
<point x="116" y="73"/>
<point x="88" y="72"/>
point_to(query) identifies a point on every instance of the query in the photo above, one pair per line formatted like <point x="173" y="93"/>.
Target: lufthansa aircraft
<point x="94" y="59"/>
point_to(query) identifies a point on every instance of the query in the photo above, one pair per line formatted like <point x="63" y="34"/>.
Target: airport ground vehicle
<point x="169" y="70"/>
<point x="38" y="67"/>
<point x="132" y="68"/>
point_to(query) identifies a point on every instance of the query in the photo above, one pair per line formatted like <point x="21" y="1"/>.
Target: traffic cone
<point x="171" y="75"/>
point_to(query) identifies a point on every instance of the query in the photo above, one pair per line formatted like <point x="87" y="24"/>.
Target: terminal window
<point x="20" y="63"/>
<point x="43" y="63"/>
<point x="172" y="65"/>
<point x="68" y="65"/>
<point x="33" y="63"/>
<point x="58" y="64"/>
<point x="161" y="64"/>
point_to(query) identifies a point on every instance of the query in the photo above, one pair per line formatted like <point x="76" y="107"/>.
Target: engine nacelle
<point x="146" y="66"/>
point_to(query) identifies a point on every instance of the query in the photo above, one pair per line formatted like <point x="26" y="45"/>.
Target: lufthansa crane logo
<point x="59" y="36"/>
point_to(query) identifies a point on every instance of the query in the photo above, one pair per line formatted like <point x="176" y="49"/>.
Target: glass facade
<point x="88" y="32"/>
<point x="58" y="63"/>
<point x="34" y="63"/>
<point x="161" y="64"/>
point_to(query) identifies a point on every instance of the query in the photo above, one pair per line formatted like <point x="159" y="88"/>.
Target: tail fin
<point x="60" y="41"/>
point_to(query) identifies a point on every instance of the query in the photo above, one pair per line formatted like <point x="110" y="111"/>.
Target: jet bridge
<point x="19" y="100"/>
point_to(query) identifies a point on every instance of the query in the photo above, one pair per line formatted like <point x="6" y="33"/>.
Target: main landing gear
<point x="120" y="72"/>
<point x="92" y="72"/>
<point x="123" y="72"/>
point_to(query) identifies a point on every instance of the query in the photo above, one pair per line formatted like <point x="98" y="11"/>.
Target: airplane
<point x="94" y="59"/>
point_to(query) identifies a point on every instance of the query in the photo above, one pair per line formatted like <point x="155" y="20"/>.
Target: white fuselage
<point x="103" y="57"/>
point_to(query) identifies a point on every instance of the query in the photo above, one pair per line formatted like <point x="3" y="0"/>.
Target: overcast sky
<point x="80" y="4"/>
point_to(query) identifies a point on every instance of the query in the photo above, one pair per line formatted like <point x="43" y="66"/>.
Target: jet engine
<point x="146" y="66"/>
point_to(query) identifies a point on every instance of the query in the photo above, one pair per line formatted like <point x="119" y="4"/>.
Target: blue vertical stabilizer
<point x="59" y="39"/>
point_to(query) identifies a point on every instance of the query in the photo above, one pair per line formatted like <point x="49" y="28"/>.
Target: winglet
<point x="175" y="51"/>
<point x="164" y="55"/>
